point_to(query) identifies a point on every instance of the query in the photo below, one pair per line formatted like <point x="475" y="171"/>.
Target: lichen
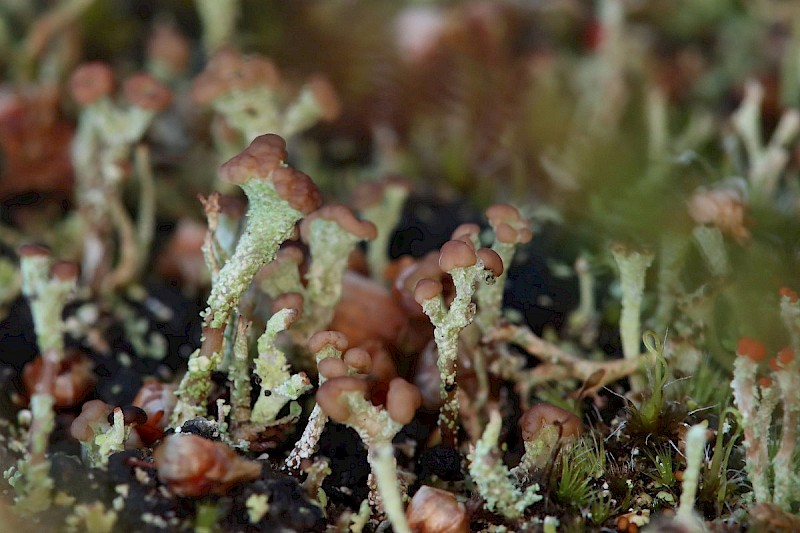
<point x="257" y="507"/>
<point x="492" y="477"/>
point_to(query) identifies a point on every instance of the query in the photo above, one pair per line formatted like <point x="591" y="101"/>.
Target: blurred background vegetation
<point x="599" y="118"/>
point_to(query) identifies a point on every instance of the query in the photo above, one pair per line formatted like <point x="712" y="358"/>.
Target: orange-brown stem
<point x="212" y="341"/>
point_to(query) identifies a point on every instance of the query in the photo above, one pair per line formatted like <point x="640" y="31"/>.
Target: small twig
<point x="146" y="221"/>
<point x="211" y="249"/>
<point x="46" y="28"/>
<point x="560" y="364"/>
<point x="126" y="268"/>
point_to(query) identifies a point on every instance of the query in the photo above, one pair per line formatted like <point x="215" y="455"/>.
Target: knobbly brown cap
<point x="370" y="193"/>
<point x="545" y="414"/>
<point x="508" y="224"/>
<point x="402" y="400"/>
<point x="342" y="216"/>
<point x="297" y="188"/>
<point x="410" y="275"/>
<point x="491" y="261"/>
<point x="169" y="47"/>
<point x="257" y="161"/>
<point x="456" y="254"/>
<point x="427" y="289"/>
<point x="359" y="360"/>
<point x="466" y="232"/>
<point x="33" y="250"/>
<point x="330" y="391"/>
<point x="92" y="412"/>
<point x="285" y="254"/>
<point x="325" y="96"/>
<point x="90" y="82"/>
<point x="143" y="90"/>
<point x="289" y="300"/>
<point x="332" y="367"/>
<point x="65" y="270"/>
<point x="228" y="70"/>
<point x="324" y="338"/>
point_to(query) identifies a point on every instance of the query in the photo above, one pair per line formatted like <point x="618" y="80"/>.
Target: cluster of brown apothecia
<point x="341" y="321"/>
<point x="335" y="324"/>
<point x="326" y="386"/>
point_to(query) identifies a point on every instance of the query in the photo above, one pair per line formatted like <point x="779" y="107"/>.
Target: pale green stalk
<point x="492" y="477"/>
<point x="633" y="266"/>
<point x="278" y="386"/>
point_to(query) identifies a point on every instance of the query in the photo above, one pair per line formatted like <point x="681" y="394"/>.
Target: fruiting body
<point x="329" y="396"/>
<point x="427" y="289"/>
<point x="90" y="82"/>
<point x="508" y="224"/>
<point x="542" y="415"/>
<point x="402" y="400"/>
<point x="368" y="312"/>
<point x="142" y="90"/>
<point x="456" y="254"/>
<point x="436" y="511"/>
<point x="338" y="341"/>
<point x="73" y="381"/>
<point x="359" y="360"/>
<point x="546" y="428"/>
<point x="751" y="349"/>
<point x="157" y="400"/>
<point x="724" y="206"/>
<point x="278" y="198"/>
<point x="342" y="216"/>
<point x="491" y="261"/>
<point x="263" y="156"/>
<point x="343" y="399"/>
<point x="332" y="367"/>
<point x="94" y="414"/>
<point x="192" y="466"/>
